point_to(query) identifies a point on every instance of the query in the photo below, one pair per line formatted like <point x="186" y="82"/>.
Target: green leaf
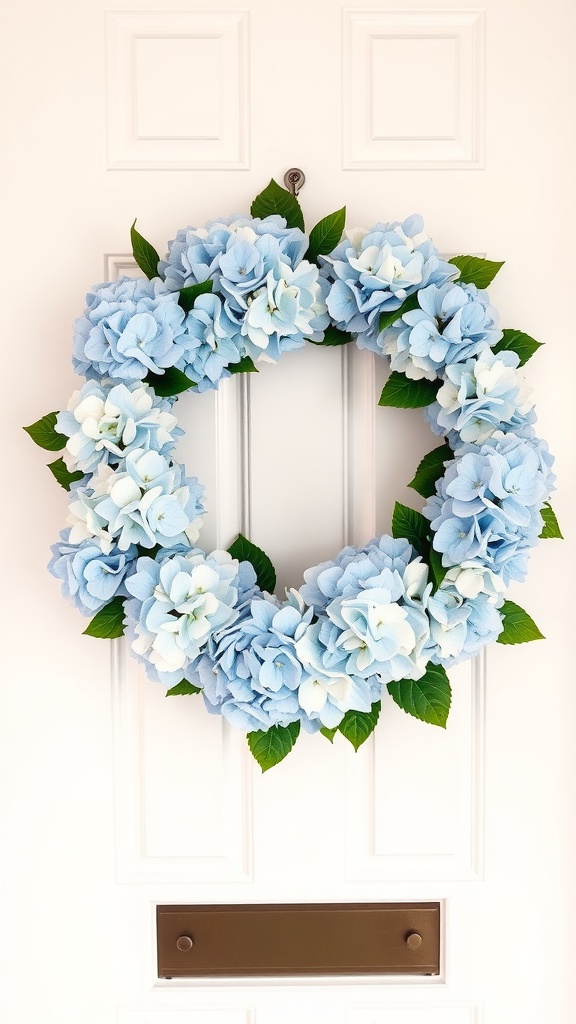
<point x="475" y="270"/>
<point x="145" y="254"/>
<point x="333" y="336"/>
<point x="437" y="569"/>
<point x="329" y="733"/>
<point x="181" y="688"/>
<point x="389" y="318"/>
<point x="430" y="469"/>
<point x="412" y="526"/>
<point x="245" y="365"/>
<point x="63" y="475"/>
<point x="357" y="726"/>
<point x="187" y="296"/>
<point x="275" y="199"/>
<point x="45" y="435"/>
<point x="245" y="551"/>
<point x="108" y="623"/>
<point x="403" y="393"/>
<point x="517" y="341"/>
<point x="551" y="528"/>
<point x="171" y="382"/>
<point x="519" y="628"/>
<point x="326" y="234"/>
<point x="427" y="698"/>
<point x="271" y="747"/>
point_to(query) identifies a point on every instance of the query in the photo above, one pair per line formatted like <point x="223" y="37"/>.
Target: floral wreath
<point x="397" y="612"/>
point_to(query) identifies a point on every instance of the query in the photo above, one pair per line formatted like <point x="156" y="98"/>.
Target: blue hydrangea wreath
<point x="395" y="613"/>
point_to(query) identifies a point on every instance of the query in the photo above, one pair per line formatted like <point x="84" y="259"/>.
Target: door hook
<point x="294" y="179"/>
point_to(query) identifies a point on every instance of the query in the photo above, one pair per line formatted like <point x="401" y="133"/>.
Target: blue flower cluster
<point x="267" y="298"/>
<point x="106" y="421"/>
<point x="373" y="272"/>
<point x="178" y="602"/>
<point x="479" y="397"/>
<point x="487" y="506"/>
<point x="90" y="578"/>
<point x="129" y="329"/>
<point x="453" y="322"/>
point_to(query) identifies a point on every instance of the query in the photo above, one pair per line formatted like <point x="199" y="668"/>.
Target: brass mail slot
<point x="298" y="938"/>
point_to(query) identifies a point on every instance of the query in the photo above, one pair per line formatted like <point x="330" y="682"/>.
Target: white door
<point x="115" y="799"/>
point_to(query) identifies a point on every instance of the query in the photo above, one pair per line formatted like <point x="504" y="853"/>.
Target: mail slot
<point x="242" y="940"/>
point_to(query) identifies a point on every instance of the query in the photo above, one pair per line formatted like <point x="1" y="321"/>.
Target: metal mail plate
<point x="298" y="939"/>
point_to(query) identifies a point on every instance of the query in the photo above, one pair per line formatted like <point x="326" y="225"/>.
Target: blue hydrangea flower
<point x="453" y="322"/>
<point x="329" y="689"/>
<point x="146" y="501"/>
<point x="246" y="244"/>
<point x="460" y="626"/>
<point x="354" y="569"/>
<point x="273" y="300"/>
<point x="373" y="272"/>
<point x="106" y="421"/>
<point x="481" y="396"/>
<point x="90" y="579"/>
<point x="284" y="313"/>
<point x="385" y="629"/>
<point x="251" y="673"/>
<point x="130" y="328"/>
<point x="212" y="342"/>
<point x="178" y="603"/>
<point x="487" y="506"/>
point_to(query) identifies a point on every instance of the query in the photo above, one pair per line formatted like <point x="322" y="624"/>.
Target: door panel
<point x="114" y="799"/>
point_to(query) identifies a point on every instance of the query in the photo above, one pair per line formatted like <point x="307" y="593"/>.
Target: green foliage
<point x="333" y="337"/>
<point x="427" y="698"/>
<point x="519" y="627"/>
<point x="245" y="551"/>
<point x="187" y="296"/>
<point x="108" y="623"/>
<point x="275" y="199"/>
<point x="430" y="469"/>
<point x="144" y="254"/>
<point x="357" y="726"/>
<point x="413" y="526"/>
<point x="271" y="747"/>
<point x="551" y="528"/>
<point x="45" y="435"/>
<point x="438" y="570"/>
<point x="390" y="317"/>
<point x="403" y="393"/>
<point x="475" y="270"/>
<point x="517" y="341"/>
<point x="63" y="475"/>
<point x="182" y="688"/>
<point x="171" y="382"/>
<point x="245" y="365"/>
<point x="326" y="234"/>
<point x="329" y="733"/>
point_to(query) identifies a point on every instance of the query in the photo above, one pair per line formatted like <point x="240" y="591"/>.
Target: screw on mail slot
<point x="243" y="940"/>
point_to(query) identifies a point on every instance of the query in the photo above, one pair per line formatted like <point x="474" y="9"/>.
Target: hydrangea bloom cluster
<point x="269" y="299"/>
<point x="373" y="272"/>
<point x="105" y="421"/>
<point x="178" y="603"/>
<point x="258" y="675"/>
<point x="146" y="500"/>
<point x="130" y="328"/>
<point x="90" y="577"/>
<point x="452" y="323"/>
<point x="487" y="507"/>
<point x="479" y="397"/>
<point x="369" y="618"/>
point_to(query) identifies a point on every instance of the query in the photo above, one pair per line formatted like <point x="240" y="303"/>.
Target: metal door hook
<point x="294" y="180"/>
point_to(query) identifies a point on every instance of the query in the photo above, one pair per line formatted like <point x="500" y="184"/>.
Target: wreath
<point x="395" y="613"/>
